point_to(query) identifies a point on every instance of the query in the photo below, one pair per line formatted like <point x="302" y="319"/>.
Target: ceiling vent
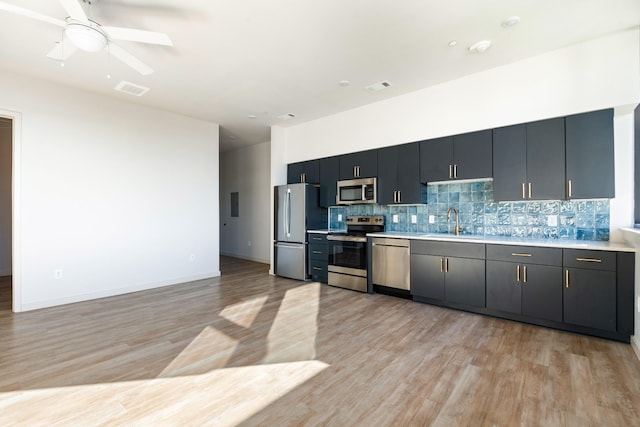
<point x="131" y="88"/>
<point x="378" y="86"/>
<point x="287" y="116"/>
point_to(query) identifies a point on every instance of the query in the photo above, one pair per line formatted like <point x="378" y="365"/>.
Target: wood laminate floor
<point x="251" y="349"/>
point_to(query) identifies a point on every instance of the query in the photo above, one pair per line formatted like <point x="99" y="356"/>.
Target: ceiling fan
<point x="82" y="33"/>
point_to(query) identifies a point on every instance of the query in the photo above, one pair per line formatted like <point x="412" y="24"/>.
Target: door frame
<point x="16" y="197"/>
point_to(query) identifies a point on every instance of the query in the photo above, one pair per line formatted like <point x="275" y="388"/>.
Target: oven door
<point x="348" y="251"/>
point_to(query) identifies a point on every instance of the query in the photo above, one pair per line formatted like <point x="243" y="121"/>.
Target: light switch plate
<point x="395" y="218"/>
<point x="432" y="219"/>
<point x="414" y="219"/>
<point x="552" y="220"/>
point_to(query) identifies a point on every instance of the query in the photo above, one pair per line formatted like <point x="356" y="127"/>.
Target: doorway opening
<point x="6" y="174"/>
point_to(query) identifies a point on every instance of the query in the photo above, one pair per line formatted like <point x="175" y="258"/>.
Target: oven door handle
<point x="347" y="238"/>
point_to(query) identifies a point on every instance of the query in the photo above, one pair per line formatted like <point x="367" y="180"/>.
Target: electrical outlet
<point x="432" y="219"/>
<point x="339" y="217"/>
<point x="552" y="220"/>
<point x="395" y="219"/>
<point x="414" y="219"/>
<point x="57" y="274"/>
<point x="192" y="257"/>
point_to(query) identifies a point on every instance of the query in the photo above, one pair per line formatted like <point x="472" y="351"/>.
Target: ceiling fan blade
<point x="74" y="9"/>
<point x="129" y="59"/>
<point x="31" y="14"/>
<point x="62" y="50"/>
<point x="142" y="36"/>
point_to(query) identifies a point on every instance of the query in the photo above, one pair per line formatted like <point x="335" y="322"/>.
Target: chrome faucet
<point x="455" y="211"/>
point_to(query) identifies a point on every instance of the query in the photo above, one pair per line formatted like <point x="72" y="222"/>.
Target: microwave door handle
<point x="364" y="192"/>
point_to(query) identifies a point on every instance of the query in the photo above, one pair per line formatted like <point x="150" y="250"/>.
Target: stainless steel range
<point x="348" y="252"/>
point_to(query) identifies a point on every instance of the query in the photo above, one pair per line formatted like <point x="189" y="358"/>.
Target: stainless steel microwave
<point x="356" y="191"/>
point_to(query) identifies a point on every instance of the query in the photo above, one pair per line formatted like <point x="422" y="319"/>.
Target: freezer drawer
<point x="291" y="260"/>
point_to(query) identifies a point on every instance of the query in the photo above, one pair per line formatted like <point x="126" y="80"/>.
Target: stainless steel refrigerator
<point x="297" y="209"/>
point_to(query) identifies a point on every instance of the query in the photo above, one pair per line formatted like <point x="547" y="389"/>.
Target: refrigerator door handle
<point x="288" y="212"/>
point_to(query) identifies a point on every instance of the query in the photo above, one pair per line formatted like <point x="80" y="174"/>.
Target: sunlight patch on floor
<point x="293" y="333"/>
<point x="223" y="397"/>
<point x="244" y="313"/>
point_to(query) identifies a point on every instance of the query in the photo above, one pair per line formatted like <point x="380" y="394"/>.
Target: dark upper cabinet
<point x="545" y="160"/>
<point x="363" y="164"/>
<point x="464" y="156"/>
<point x="589" y="150"/>
<point x="509" y="162"/>
<point x="308" y="171"/>
<point x="329" y="176"/>
<point x="528" y="161"/>
<point x="399" y="174"/>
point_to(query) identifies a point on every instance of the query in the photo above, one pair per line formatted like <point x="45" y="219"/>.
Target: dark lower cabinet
<point x="590" y="298"/>
<point x="448" y="278"/>
<point x="526" y="289"/>
<point x="318" y="257"/>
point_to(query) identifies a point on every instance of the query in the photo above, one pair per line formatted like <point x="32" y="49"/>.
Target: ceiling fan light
<point x="85" y="37"/>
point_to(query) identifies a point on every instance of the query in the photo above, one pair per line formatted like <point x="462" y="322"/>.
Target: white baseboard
<point x="635" y="345"/>
<point x="111" y="292"/>
<point x="248" y="258"/>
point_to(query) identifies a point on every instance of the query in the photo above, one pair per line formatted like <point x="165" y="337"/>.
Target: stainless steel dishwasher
<point x="390" y="262"/>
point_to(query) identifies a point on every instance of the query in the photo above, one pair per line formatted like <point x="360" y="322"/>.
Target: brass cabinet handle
<point x="518" y="273"/>
<point x="524" y="274"/>
<point x="450" y="171"/>
<point x="455" y="171"/>
<point x="317" y="268"/>
<point x="441" y="265"/>
<point x="566" y="278"/>
<point x="523" y="192"/>
<point x="589" y="259"/>
<point x="318" y="252"/>
<point x="529" y="190"/>
<point x="569" y="188"/>
<point x="399" y="196"/>
<point x="519" y="254"/>
<point x="446" y="265"/>
<point x="316" y="238"/>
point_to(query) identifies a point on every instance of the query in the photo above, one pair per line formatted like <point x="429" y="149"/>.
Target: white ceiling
<point x="236" y="58"/>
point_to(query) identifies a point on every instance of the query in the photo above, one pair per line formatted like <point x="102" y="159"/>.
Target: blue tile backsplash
<point x="480" y="215"/>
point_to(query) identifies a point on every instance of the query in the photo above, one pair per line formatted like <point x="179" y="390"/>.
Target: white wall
<point x="5" y="198"/>
<point x="600" y="73"/>
<point x="246" y="171"/>
<point x="116" y="195"/>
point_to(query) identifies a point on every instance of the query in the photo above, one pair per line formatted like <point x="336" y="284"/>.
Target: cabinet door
<point x="590" y="298"/>
<point x="409" y="173"/>
<point x="509" y="162"/>
<point x="465" y="281"/>
<point x="504" y="291"/>
<point x="545" y="159"/>
<point x="311" y="170"/>
<point x="427" y="277"/>
<point x="363" y="164"/>
<point x="294" y="172"/>
<point x="436" y="159"/>
<point x="589" y="149"/>
<point x="387" y="175"/>
<point x="542" y="291"/>
<point x="329" y="175"/>
<point x="472" y="156"/>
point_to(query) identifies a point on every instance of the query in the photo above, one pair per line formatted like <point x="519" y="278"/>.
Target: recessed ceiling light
<point x="452" y="43"/>
<point x="510" y="21"/>
<point x="344" y="83"/>
<point x="480" y="46"/>
<point x="252" y="116"/>
<point x="286" y="116"/>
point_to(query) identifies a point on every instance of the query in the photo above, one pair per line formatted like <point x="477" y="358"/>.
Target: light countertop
<point x="516" y="241"/>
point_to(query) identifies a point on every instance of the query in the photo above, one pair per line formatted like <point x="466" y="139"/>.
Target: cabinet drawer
<point x="525" y="254"/>
<point x="593" y="260"/>
<point x="318" y="270"/>
<point x="317" y="238"/>
<point x="318" y="251"/>
<point x="457" y="249"/>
